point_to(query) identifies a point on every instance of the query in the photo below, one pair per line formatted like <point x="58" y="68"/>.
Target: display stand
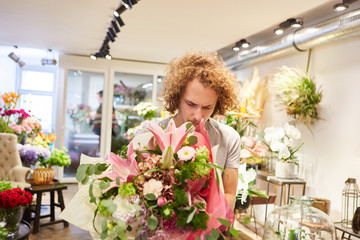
<point x="346" y="231"/>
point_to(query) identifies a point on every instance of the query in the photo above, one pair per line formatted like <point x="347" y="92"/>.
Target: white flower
<point x="276" y="145"/>
<point x="292" y="131"/>
<point x="284" y="153"/>
<point x="153" y="186"/>
<point x="186" y="153"/>
<point x="288" y="141"/>
<point x="124" y="210"/>
<point x="274" y="133"/>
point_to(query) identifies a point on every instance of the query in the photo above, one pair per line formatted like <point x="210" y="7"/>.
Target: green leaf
<point x="215" y="233"/>
<point x="104" y="185"/>
<point x="110" y="205"/>
<point x="152" y="170"/>
<point x="100" y="168"/>
<point x="189" y="125"/>
<point x="152" y="222"/>
<point x="193" y="140"/>
<point x="197" y="238"/>
<point x="104" y="235"/>
<point x="191" y="216"/>
<point x="91" y="194"/>
<point x="90" y="170"/>
<point x="224" y="222"/>
<point x="234" y="232"/>
<point x="103" y="225"/>
<point x="117" y="181"/>
<point x="247" y="220"/>
<point x="85" y="180"/>
<point x="81" y="172"/>
<point x="150" y="197"/>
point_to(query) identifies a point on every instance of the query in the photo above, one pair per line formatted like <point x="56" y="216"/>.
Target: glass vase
<point x="10" y="219"/>
<point x="298" y="220"/>
<point x="43" y="175"/>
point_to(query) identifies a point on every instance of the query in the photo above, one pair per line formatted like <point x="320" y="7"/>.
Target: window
<point x="37" y="89"/>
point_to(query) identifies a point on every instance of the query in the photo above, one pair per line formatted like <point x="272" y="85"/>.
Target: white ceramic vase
<point x="285" y="169"/>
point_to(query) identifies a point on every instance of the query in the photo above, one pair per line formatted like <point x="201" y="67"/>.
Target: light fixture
<point x="112" y="32"/>
<point x="120" y="21"/>
<point x="115" y="26"/>
<point x="108" y="56"/>
<point x="47" y="60"/>
<point x="291" y="22"/>
<point x="93" y="57"/>
<point x="243" y="43"/>
<point x="16" y="59"/>
<point x="343" y="5"/>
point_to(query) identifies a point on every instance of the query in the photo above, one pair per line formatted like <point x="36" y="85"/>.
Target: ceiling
<point x="154" y="31"/>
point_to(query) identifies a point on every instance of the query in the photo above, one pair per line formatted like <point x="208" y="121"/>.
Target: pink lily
<point x="172" y="137"/>
<point x="123" y="169"/>
<point x="169" y="141"/>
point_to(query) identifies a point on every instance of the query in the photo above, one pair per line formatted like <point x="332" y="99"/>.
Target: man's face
<point x="197" y="102"/>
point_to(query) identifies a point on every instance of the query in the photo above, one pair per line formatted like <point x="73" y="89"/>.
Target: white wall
<point x="331" y="152"/>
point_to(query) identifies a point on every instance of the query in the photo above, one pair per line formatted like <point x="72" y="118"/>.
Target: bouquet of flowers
<point x="12" y="201"/>
<point x="281" y="141"/>
<point x="31" y="154"/>
<point x="166" y="189"/>
<point x="146" y="110"/>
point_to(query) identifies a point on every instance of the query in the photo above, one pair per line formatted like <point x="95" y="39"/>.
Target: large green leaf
<point x="152" y="222"/>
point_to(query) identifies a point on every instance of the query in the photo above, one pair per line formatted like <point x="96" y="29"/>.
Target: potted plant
<point x="46" y="173"/>
<point x="281" y="141"/>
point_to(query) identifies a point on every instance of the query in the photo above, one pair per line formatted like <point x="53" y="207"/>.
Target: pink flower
<point x="233" y="123"/>
<point x="161" y="201"/>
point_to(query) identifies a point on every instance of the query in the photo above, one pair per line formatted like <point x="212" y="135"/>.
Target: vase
<point x="285" y="169"/>
<point x="298" y="220"/>
<point x="10" y="219"/>
<point x="43" y="175"/>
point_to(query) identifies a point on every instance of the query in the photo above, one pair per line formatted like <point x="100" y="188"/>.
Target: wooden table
<point x="39" y="189"/>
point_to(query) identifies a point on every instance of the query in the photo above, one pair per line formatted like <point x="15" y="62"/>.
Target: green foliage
<point x="4" y="127"/>
<point x="126" y="189"/>
<point x="57" y="158"/>
<point x="84" y="171"/>
<point x="4" y="185"/>
<point x="180" y="197"/>
<point x="152" y="222"/>
<point x="107" y="207"/>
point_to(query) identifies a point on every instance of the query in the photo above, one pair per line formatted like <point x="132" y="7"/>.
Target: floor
<point x="59" y="232"/>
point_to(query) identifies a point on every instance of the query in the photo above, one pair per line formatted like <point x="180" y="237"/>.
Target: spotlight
<point x="47" y="60"/>
<point x="128" y="6"/>
<point x="241" y="44"/>
<point x="108" y="56"/>
<point x="120" y="21"/>
<point x="119" y="11"/>
<point x="340" y="7"/>
<point x="16" y="59"/>
<point x="112" y="32"/>
<point x="343" y="5"/>
<point x="93" y="57"/>
<point x="291" y="22"/>
<point x="115" y="26"/>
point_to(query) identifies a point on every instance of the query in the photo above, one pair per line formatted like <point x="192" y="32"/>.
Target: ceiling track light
<point x="115" y="26"/>
<point x="16" y="58"/>
<point x="47" y="60"/>
<point x="291" y="22"/>
<point x="120" y="21"/>
<point x="243" y="43"/>
<point x="343" y="5"/>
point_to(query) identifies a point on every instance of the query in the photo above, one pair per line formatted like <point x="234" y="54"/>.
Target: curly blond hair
<point x="210" y="70"/>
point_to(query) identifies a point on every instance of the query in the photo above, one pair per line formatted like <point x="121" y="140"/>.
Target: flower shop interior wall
<point x="330" y="152"/>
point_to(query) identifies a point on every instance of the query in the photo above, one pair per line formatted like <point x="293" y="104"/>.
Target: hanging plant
<point x="298" y="94"/>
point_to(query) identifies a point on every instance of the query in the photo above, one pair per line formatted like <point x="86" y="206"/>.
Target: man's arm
<point x="230" y="181"/>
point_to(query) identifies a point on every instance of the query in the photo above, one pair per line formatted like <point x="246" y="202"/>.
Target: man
<point x="199" y="86"/>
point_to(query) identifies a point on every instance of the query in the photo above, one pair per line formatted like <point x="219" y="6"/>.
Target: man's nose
<point x="198" y="115"/>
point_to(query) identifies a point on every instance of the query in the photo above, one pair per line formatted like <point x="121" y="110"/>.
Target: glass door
<point x="83" y="117"/>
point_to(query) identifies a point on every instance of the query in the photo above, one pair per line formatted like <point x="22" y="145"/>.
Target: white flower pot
<point x="285" y="169"/>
